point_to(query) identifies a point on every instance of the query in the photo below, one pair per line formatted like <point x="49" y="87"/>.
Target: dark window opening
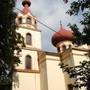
<point x="70" y="46"/>
<point x="28" y="39"/>
<point x="28" y="62"/>
<point x="58" y="49"/>
<point x="35" y="22"/>
<point x="28" y="20"/>
<point x="20" y="20"/>
<point x="64" y="47"/>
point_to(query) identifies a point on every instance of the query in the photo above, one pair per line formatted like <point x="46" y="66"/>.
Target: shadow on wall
<point x="15" y="80"/>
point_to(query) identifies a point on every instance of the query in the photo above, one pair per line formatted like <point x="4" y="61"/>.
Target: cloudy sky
<point x="50" y="12"/>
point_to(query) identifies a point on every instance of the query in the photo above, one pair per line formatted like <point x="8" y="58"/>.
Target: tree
<point x="80" y="73"/>
<point x="77" y="34"/>
<point x="84" y="7"/>
<point x="9" y="40"/>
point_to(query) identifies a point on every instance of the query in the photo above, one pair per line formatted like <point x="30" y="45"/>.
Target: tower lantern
<point x="63" y="39"/>
<point x="25" y="17"/>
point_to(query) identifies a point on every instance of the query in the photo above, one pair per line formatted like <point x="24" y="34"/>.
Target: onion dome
<point x="62" y="35"/>
<point x="26" y="2"/>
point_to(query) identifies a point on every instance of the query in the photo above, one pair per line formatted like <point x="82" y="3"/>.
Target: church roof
<point x="26" y="2"/>
<point x="62" y="35"/>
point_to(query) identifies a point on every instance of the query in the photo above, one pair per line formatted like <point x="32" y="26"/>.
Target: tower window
<point x="28" y="39"/>
<point x="35" y="22"/>
<point x="64" y="47"/>
<point x="58" y="49"/>
<point x="28" y="62"/>
<point x="70" y="46"/>
<point x="20" y="20"/>
<point x="28" y="20"/>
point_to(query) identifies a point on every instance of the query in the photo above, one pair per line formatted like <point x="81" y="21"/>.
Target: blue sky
<point x="50" y="12"/>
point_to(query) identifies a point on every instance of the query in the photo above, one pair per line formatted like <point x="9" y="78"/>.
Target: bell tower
<point x="25" y="18"/>
<point x="28" y="73"/>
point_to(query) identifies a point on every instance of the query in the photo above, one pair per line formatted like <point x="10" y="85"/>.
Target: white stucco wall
<point x="36" y="36"/>
<point x="68" y="61"/>
<point x="55" y="76"/>
<point x="27" y="81"/>
<point x="79" y="56"/>
<point x="51" y="74"/>
<point x="43" y="76"/>
<point x="34" y="58"/>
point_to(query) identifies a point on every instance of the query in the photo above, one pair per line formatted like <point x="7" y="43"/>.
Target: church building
<point x="40" y="70"/>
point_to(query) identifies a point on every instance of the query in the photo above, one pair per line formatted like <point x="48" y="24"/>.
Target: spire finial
<point x="60" y="23"/>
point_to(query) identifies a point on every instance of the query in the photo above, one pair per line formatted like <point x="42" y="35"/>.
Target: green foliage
<point x="86" y="18"/>
<point x="80" y="73"/>
<point x="78" y="5"/>
<point x="9" y="40"/>
<point x="84" y="7"/>
<point x="77" y="34"/>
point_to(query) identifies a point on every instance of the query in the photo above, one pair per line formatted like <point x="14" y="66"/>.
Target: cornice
<point x="19" y="26"/>
<point x="51" y="53"/>
<point x="31" y="48"/>
<point x="27" y="71"/>
<point x="80" y="49"/>
<point x="43" y="56"/>
<point x="79" y="54"/>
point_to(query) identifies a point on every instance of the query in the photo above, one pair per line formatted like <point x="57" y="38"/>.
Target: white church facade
<point x="40" y="70"/>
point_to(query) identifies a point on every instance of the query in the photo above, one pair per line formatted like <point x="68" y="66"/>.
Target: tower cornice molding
<point x="27" y="71"/>
<point x="31" y="48"/>
<point x="29" y="28"/>
<point x="44" y="56"/>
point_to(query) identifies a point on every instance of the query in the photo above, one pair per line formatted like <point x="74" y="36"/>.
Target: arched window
<point x="70" y="46"/>
<point x="35" y="22"/>
<point x="58" y="49"/>
<point x="28" y="39"/>
<point x="64" y="47"/>
<point x="28" y="20"/>
<point x="28" y="62"/>
<point x="20" y="20"/>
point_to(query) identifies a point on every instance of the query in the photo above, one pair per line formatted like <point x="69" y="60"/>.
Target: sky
<point x="50" y="12"/>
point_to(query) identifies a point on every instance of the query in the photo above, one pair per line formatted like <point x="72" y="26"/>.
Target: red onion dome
<point x="26" y="2"/>
<point x="62" y="35"/>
